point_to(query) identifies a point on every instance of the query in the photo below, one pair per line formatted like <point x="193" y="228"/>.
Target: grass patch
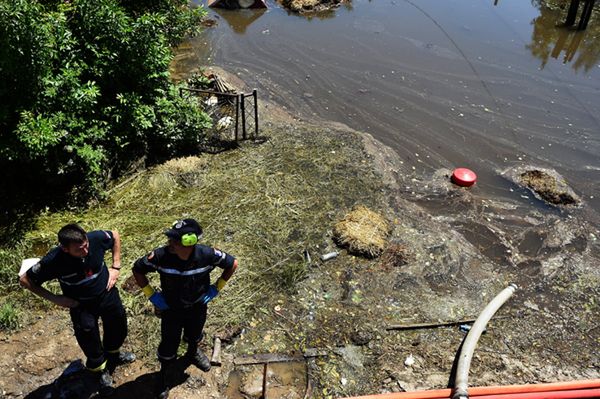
<point x="264" y="204"/>
<point x="9" y="316"/>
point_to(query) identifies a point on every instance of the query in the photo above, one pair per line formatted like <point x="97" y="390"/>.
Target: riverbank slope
<point x="270" y="204"/>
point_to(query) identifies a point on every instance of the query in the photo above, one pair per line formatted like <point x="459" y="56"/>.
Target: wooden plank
<point x="417" y="326"/>
<point x="315" y="352"/>
<point x="216" y="355"/>
<point x="266" y="358"/>
<point x="261" y="358"/>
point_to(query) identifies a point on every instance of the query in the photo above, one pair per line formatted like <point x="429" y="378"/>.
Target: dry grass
<point x="265" y="204"/>
<point x="395" y="255"/>
<point x="363" y="232"/>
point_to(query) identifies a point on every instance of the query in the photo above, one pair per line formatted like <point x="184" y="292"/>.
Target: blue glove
<point x="158" y="300"/>
<point x="210" y="294"/>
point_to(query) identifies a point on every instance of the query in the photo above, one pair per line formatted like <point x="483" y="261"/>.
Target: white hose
<point x="466" y="354"/>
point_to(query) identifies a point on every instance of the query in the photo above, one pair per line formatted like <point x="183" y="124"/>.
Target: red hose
<point x="479" y="392"/>
<point x="578" y="393"/>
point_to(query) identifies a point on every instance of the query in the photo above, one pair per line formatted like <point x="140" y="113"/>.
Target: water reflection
<point x="549" y="39"/>
<point x="239" y="20"/>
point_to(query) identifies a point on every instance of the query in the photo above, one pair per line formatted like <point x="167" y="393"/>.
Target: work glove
<point x="210" y="294"/>
<point x="156" y="298"/>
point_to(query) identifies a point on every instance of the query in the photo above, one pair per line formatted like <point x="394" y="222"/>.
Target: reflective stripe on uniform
<point x="99" y="368"/>
<point x="184" y="272"/>
<point x="223" y="256"/>
<point x="85" y="280"/>
<point x="166" y="358"/>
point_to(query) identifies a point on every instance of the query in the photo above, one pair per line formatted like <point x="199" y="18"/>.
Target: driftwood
<point x="417" y="326"/>
<point x="278" y="357"/>
<point x="216" y="355"/>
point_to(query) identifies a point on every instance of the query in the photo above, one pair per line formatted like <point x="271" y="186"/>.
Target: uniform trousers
<point x="188" y="320"/>
<point x="109" y="308"/>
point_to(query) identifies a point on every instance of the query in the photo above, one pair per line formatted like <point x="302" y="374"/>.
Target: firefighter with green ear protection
<point x="184" y="267"/>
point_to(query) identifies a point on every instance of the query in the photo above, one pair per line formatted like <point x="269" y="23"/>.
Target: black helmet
<point x="188" y="231"/>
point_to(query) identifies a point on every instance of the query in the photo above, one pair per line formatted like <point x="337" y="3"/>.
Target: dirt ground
<point x="330" y="337"/>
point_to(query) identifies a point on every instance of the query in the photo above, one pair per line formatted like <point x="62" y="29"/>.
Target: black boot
<point x="119" y="358"/>
<point x="106" y="383"/>
<point x="166" y="378"/>
<point x="196" y="357"/>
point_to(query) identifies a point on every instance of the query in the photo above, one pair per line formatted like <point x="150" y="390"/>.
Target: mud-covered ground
<point x="440" y="266"/>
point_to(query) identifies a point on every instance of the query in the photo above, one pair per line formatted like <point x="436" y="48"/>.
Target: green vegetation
<point x="9" y="317"/>
<point x="265" y="204"/>
<point x="85" y="93"/>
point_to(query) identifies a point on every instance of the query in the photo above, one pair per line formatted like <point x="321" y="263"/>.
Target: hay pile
<point x="363" y="232"/>
<point x="182" y="171"/>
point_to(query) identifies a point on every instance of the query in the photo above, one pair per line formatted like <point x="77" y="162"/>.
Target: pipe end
<point x="460" y="393"/>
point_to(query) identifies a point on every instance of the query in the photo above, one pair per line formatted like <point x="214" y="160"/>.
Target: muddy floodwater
<point x="444" y="83"/>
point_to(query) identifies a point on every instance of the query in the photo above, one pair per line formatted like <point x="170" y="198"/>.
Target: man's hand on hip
<point x="113" y="276"/>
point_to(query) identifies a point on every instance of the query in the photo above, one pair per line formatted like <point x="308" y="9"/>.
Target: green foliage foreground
<point x="85" y="92"/>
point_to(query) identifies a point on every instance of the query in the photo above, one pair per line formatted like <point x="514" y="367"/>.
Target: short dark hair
<point x="71" y="233"/>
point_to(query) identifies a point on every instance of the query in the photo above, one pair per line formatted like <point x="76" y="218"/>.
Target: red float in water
<point x="464" y="177"/>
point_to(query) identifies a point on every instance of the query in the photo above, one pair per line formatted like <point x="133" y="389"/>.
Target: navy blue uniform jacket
<point x="80" y="278"/>
<point x="184" y="282"/>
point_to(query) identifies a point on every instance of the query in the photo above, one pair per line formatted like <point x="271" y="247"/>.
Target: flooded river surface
<point x="444" y="83"/>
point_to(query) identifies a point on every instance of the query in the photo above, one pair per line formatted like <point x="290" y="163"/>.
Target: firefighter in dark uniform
<point x="89" y="291"/>
<point x="184" y="267"/>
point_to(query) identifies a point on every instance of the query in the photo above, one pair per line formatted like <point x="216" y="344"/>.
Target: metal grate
<point x="249" y="110"/>
<point x="234" y="116"/>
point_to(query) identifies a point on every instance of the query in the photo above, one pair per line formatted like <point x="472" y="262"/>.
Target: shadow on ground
<point x="76" y="382"/>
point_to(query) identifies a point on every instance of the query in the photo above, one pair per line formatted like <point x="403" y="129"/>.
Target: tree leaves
<point x="71" y="73"/>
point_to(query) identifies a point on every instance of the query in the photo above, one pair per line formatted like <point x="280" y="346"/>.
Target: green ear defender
<point x="189" y="239"/>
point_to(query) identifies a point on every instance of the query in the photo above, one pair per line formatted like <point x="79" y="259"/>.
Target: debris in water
<point x="329" y="255"/>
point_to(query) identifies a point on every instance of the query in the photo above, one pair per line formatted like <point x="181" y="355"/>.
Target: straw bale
<point x="183" y="165"/>
<point x="182" y="171"/>
<point x="363" y="232"/>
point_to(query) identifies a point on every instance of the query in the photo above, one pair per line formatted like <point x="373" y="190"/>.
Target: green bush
<point x="10" y="262"/>
<point x="85" y="92"/>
